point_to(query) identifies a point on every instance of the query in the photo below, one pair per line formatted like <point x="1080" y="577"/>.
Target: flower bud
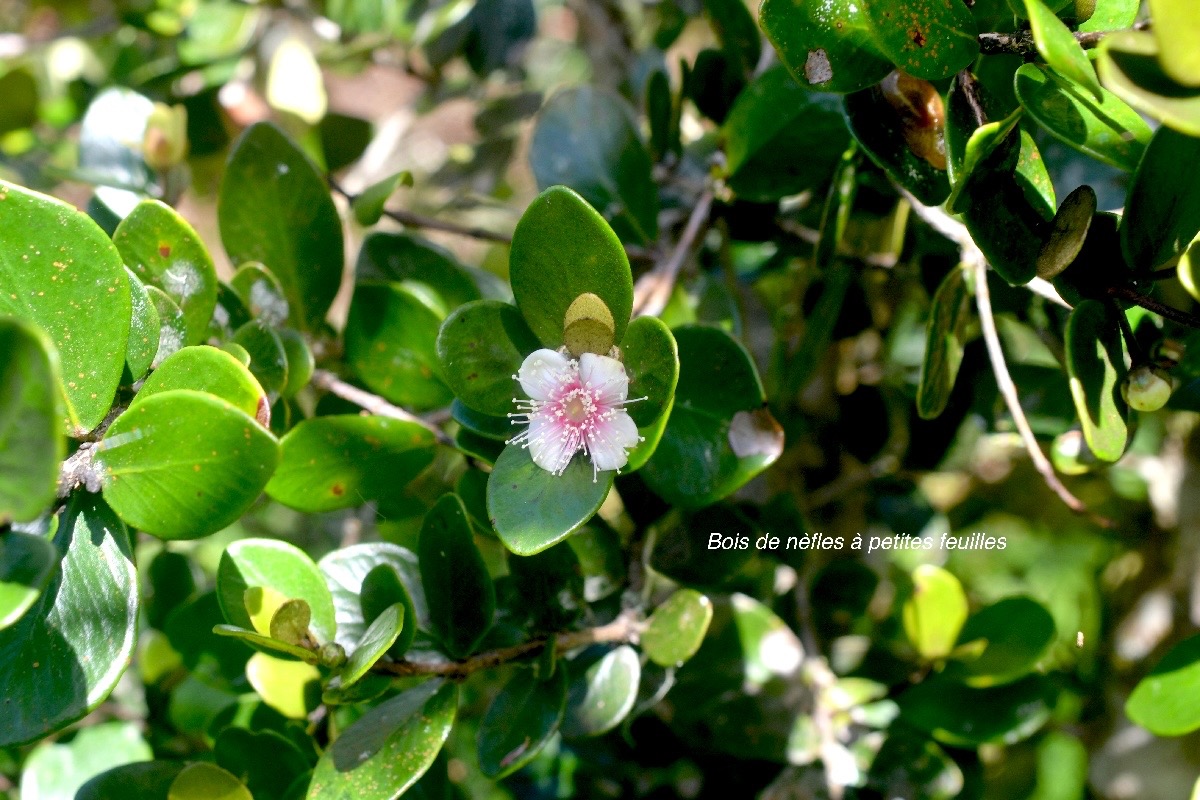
<point x="588" y="326"/>
<point x="1147" y="388"/>
<point x="165" y="143"/>
<point x="331" y="655"/>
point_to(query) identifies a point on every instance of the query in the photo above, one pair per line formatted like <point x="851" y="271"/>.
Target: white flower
<point x="572" y="406"/>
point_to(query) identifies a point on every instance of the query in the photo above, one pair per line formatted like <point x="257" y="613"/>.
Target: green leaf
<point x="31" y="442"/>
<point x="1014" y="634"/>
<point x="960" y="716"/>
<point x="676" y="629"/>
<point x="719" y="435"/>
<point x="278" y="566"/>
<point x="144" y="329"/>
<point x="1096" y="365"/>
<point x="411" y="259"/>
<point x="935" y="612"/>
<point x="264" y="643"/>
<point x="881" y="131"/>
<point x="184" y="464"/>
<point x="268" y="359"/>
<point x="56" y="771"/>
<point x="382" y="588"/>
<point x="930" y="39"/>
<point x="586" y="138"/>
<point x="945" y="336"/>
<point x="368" y="206"/>
<point x="110" y="149"/>
<point x="1062" y="767"/>
<point x="1112" y="15"/>
<point x="163" y="250"/>
<point x="345" y="570"/>
<point x="781" y="139"/>
<point x="1008" y="229"/>
<point x="1107" y="130"/>
<point x="829" y="46"/>
<point x="561" y="249"/>
<point x="59" y="271"/>
<point x="652" y="364"/>
<point x="462" y="599"/>
<point x="1129" y="66"/>
<point x="203" y="781"/>
<point x="69" y="649"/>
<point x="1177" y="29"/>
<point x="172" y="332"/>
<point x="1072" y="223"/>
<point x="261" y="293"/>
<point x="532" y="508"/>
<point x="273" y="207"/>
<point x="1162" y="212"/>
<point x="1163" y="701"/>
<point x="391" y="343"/>
<point x="146" y="780"/>
<point x="266" y="761"/>
<point x="481" y="346"/>
<point x="20" y="92"/>
<point x="26" y="564"/>
<point x="379" y="636"/>
<point x="344" y="461"/>
<point x="974" y="162"/>
<point x="382" y="754"/>
<point x="601" y="694"/>
<point x="1058" y="46"/>
<point x="523" y="717"/>
<point x="216" y="372"/>
<point x="735" y="29"/>
<point x="300" y="361"/>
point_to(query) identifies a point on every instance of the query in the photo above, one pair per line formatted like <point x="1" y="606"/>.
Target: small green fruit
<point x="1147" y="388"/>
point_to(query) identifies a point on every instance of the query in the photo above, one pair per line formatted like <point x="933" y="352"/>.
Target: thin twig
<point x="653" y="290"/>
<point x="374" y="404"/>
<point x="623" y="630"/>
<point x="1150" y="304"/>
<point x="1022" y="43"/>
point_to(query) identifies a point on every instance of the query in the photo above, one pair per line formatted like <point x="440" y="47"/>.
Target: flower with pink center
<point x="572" y="406"/>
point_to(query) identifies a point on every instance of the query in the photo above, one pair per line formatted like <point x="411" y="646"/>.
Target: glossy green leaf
<point x="144" y="328"/>
<point x="59" y="271"/>
<point x="110" y="149"/>
<point x="561" y="249"/>
<point x="410" y="259"/>
<point x="172" y="332"/>
<point x="719" y="434"/>
<point x="481" y="346"/>
<point x="203" y="781"/>
<point x="1059" y="48"/>
<point x="56" y="771"/>
<point x="880" y="130"/>
<point x="781" y="139"/>
<point x="1002" y="642"/>
<point x="960" y="716"/>
<point x="261" y="293"/>
<point x="735" y="29"/>
<point x="379" y="636"/>
<point x="1112" y="15"/>
<point x="345" y="571"/>
<point x="1129" y="67"/>
<point x="391" y="343"/>
<point x="1107" y="130"/>
<point x="829" y="46"/>
<point x="974" y="161"/>
<point x="274" y="207"/>
<point x="945" y="337"/>
<point x="265" y="643"/>
<point x="523" y="717"/>
<point x="183" y="464"/>
<point x="346" y="460"/>
<point x="462" y="599"/>
<point x="290" y="687"/>
<point x="383" y="588"/>
<point x="532" y="508"/>
<point x="31" y="442"/>
<point x="930" y="39"/>
<point x="268" y="359"/>
<point x="216" y="372"/>
<point x="1163" y="701"/>
<point x="935" y="612"/>
<point x="1008" y="229"/>
<point x="26" y="565"/>
<point x="146" y="779"/>
<point x="485" y="425"/>
<point x="585" y="138"/>
<point x="279" y="566"/>
<point x="71" y="646"/>
<point x="300" y="361"/>
<point x="1177" y="29"/>
<point x="601" y="694"/>
<point x="1162" y="212"/>
<point x="382" y="754"/>
<point x="266" y="761"/>
<point x="163" y="250"/>
<point x="913" y="766"/>
<point x="651" y="436"/>
<point x="368" y="206"/>
<point x="1096" y="365"/>
<point x="652" y="364"/>
<point x="1067" y="237"/>
<point x="676" y="629"/>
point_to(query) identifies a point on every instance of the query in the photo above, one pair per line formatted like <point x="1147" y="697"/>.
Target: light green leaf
<point x="32" y="446"/>
<point x="379" y="636"/>
<point x="1058" y="46"/>
<point x="1162" y="702"/>
<point x="1096" y="365"/>
<point x="676" y="629"/>
<point x="216" y="372"/>
<point x="279" y="566"/>
<point x="935" y="612"/>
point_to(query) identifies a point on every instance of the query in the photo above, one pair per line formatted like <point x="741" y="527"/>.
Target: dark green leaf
<point x="462" y="599"/>
<point x="407" y="258"/>
<point x="1096" y="364"/>
<point x="300" y="361"/>
<point x="147" y="780"/>
<point x="828" y="45"/>
<point x="736" y="31"/>
<point x="266" y="761"/>
<point x="268" y="359"/>
<point x="880" y="130"/>
<point x="944" y="339"/>
<point x="26" y="564"/>
<point x="31" y="442"/>
<point x="601" y="694"/>
<point x="652" y="363"/>
<point x="382" y="588"/>
<point x="522" y="718"/>
<point x="261" y="293"/>
<point x="960" y="716"/>
<point x="1162" y="212"/>
<point x="481" y="346"/>
<point x="1015" y="633"/>
<point x="930" y="39"/>
<point x="20" y="93"/>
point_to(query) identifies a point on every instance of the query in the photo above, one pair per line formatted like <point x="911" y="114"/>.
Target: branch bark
<point x="653" y="290"/>
<point x="373" y="403"/>
<point x="1021" y="42"/>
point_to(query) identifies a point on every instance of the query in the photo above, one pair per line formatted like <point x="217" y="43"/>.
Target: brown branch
<point x="624" y="629"/>
<point x="374" y="404"/>
<point x="1021" y="42"/>
<point x="653" y="290"/>
<point x="1150" y="304"/>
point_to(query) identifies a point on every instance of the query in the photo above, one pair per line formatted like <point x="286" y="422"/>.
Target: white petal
<point x="550" y="448"/>
<point x="542" y="372"/>
<point x="606" y="374"/>
<point x="609" y="440"/>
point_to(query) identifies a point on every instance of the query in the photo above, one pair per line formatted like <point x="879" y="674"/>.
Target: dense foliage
<point x="886" y="310"/>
